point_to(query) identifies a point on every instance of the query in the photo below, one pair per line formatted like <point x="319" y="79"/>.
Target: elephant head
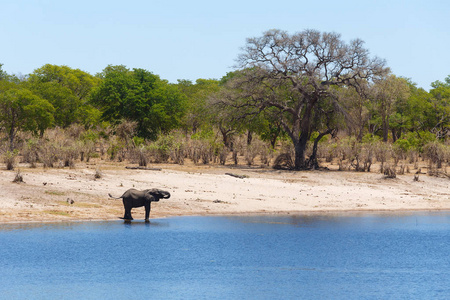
<point x="157" y="194"/>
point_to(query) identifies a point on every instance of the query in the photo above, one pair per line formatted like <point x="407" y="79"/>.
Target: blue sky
<point x="201" y="39"/>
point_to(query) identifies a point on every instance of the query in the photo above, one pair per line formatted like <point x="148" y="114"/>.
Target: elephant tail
<point x="111" y="196"/>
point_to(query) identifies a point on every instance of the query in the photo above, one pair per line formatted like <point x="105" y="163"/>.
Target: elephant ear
<point x="149" y="196"/>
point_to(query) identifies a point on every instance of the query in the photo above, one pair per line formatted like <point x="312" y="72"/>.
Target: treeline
<point x="295" y="102"/>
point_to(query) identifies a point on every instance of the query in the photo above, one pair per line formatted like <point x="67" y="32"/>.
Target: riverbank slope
<point x="47" y="194"/>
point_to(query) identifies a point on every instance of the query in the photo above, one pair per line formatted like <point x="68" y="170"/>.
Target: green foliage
<point x="21" y="110"/>
<point x="370" y="139"/>
<point x="10" y="159"/>
<point x="441" y="107"/>
<point x="68" y="91"/>
<point x="78" y="82"/>
<point x="415" y="140"/>
<point x="207" y="134"/>
<point x="116" y="150"/>
<point x="161" y="148"/>
<point x="403" y="144"/>
<point x="140" y="96"/>
<point x="3" y="74"/>
<point x="198" y="113"/>
<point x="315" y="135"/>
<point x="138" y="141"/>
<point x="120" y="109"/>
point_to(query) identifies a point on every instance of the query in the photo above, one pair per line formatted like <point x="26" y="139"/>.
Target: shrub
<point x="203" y="147"/>
<point x="160" y="149"/>
<point x="116" y="150"/>
<point x="30" y="152"/>
<point x="415" y="140"/>
<point x="435" y="153"/>
<point x="266" y="153"/>
<point x="18" y="178"/>
<point x="10" y="159"/>
<point x="366" y="157"/>
<point x="69" y="154"/>
<point x="223" y="154"/>
<point x="389" y="172"/>
<point x="98" y="174"/>
<point x="251" y="152"/>
<point x="283" y="162"/>
<point x="383" y="152"/>
<point x="238" y="146"/>
<point x="347" y="150"/>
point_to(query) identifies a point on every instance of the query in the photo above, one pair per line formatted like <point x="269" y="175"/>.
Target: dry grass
<point x="57" y="212"/>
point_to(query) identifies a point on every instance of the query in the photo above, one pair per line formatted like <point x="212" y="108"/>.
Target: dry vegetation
<point x="65" y="148"/>
<point x="66" y="174"/>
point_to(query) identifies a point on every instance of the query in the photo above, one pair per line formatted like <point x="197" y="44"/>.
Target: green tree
<point x="440" y="108"/>
<point x="417" y="109"/>
<point x="198" y="113"/>
<point x="389" y="93"/>
<point x="3" y="74"/>
<point x="140" y="96"/>
<point x="20" y="109"/>
<point x="68" y="90"/>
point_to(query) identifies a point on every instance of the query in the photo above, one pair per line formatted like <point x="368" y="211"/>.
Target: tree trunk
<point x="300" y="148"/>
<point x="313" y="163"/>
<point x="385" y="128"/>
<point x="225" y="136"/>
<point x="273" y="142"/>
<point x="396" y="134"/>
<point x="249" y="137"/>
<point x="12" y="134"/>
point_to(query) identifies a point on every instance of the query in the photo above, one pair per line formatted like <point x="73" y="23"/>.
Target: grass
<point x="55" y="193"/>
<point x="57" y="212"/>
<point x="87" y="205"/>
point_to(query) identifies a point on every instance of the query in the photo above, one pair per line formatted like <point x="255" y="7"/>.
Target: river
<point x="331" y="256"/>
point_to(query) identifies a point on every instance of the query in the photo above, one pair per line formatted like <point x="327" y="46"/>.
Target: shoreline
<point x="346" y="213"/>
<point x="210" y="191"/>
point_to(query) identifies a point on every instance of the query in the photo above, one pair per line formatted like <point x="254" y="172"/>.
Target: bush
<point x="203" y="147"/>
<point x="389" y="172"/>
<point x="10" y="159"/>
<point x="116" y="150"/>
<point x="415" y="140"/>
<point x="30" y="152"/>
<point x="18" y="178"/>
<point x="160" y="149"/>
<point x="251" y="152"/>
<point x="435" y="153"/>
<point x="237" y="147"/>
<point x="347" y="149"/>
<point x="283" y="162"/>
<point x="383" y="153"/>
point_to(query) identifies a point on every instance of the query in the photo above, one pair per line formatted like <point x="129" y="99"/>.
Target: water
<point x="369" y="256"/>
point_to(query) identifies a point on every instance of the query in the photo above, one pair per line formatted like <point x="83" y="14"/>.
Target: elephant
<point x="135" y="198"/>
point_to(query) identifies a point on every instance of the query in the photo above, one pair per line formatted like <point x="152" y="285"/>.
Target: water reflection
<point x="314" y="219"/>
<point x="352" y="219"/>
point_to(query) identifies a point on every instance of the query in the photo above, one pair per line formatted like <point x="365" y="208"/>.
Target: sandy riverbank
<point x="207" y="190"/>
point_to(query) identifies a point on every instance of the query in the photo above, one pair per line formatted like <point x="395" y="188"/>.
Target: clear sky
<point x="201" y="39"/>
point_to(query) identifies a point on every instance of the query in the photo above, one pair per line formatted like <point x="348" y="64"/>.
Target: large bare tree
<point x="290" y="75"/>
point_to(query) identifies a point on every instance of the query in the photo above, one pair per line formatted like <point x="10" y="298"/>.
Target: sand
<point x="45" y="194"/>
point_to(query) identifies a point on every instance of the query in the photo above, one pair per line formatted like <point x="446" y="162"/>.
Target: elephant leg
<point x="147" y="211"/>
<point x="127" y="215"/>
